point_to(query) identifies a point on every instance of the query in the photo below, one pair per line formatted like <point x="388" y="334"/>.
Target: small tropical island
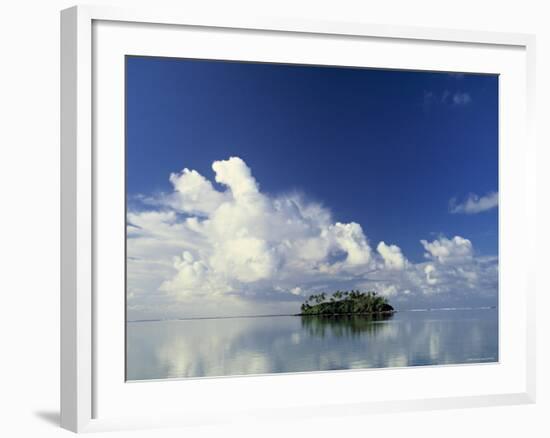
<point x="346" y="303"/>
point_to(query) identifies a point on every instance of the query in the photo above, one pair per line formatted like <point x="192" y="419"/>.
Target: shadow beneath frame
<point x="51" y="417"/>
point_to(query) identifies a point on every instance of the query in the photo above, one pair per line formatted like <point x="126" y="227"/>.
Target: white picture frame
<point x="89" y="380"/>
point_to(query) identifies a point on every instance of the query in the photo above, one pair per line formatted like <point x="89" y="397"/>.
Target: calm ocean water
<point x="277" y="344"/>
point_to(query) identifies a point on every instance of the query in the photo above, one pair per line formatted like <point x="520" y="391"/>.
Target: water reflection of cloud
<point x="198" y="348"/>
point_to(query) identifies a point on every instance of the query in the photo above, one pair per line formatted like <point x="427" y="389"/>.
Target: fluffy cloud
<point x="239" y="251"/>
<point x="193" y="193"/>
<point x="392" y="255"/>
<point x="474" y="203"/>
<point x="456" y="250"/>
<point x="430" y="270"/>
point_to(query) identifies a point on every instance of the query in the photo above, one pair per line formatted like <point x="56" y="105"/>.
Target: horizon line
<point x="428" y="309"/>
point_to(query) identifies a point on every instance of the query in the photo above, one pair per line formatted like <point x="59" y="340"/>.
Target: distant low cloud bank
<point x="200" y="251"/>
<point x="474" y="204"/>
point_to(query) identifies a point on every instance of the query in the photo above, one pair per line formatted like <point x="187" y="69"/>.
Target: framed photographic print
<point x="252" y="208"/>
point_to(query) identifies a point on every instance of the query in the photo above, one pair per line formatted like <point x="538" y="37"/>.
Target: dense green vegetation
<point x="345" y="303"/>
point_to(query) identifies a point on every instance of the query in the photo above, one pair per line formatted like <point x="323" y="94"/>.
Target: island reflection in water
<point x="277" y="344"/>
<point x="343" y="325"/>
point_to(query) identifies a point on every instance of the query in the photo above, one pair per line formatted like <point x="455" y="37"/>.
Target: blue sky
<point x="393" y="151"/>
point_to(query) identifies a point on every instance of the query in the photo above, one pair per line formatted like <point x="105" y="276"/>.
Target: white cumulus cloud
<point x="474" y="204"/>
<point x="455" y="250"/>
<point x="392" y="255"/>
<point x="193" y="193"/>
<point x="199" y="251"/>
